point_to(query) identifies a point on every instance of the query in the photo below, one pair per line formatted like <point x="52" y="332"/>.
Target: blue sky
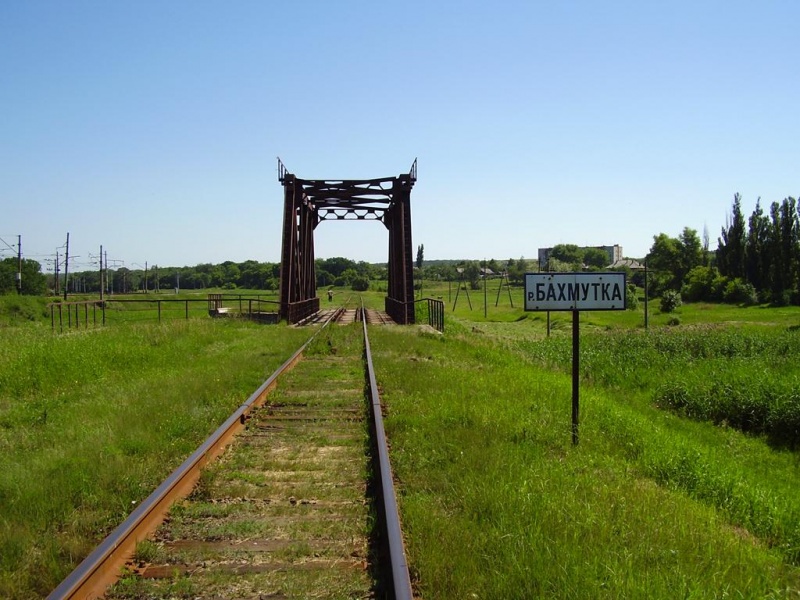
<point x="152" y="128"/>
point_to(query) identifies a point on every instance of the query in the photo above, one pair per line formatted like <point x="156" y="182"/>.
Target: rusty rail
<point x="387" y="505"/>
<point x="101" y="568"/>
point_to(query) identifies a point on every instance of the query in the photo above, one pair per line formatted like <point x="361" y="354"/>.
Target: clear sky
<point x="153" y="127"/>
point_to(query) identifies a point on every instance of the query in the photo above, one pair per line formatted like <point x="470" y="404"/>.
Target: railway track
<point x="299" y="503"/>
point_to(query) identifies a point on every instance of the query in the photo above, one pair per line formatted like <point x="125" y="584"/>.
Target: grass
<point x="497" y="503"/>
<point x="16" y="310"/>
<point x="91" y="422"/>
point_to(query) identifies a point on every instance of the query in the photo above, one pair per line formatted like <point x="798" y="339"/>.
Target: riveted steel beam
<point x="308" y="202"/>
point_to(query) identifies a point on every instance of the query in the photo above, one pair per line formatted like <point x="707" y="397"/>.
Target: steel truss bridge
<point x="309" y="202"/>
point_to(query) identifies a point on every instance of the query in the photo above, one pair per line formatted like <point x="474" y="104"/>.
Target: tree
<point x="756" y="248"/>
<point x="420" y="255"/>
<point x="472" y="273"/>
<point x="555" y="265"/>
<point x="703" y="284"/>
<point x="731" y="244"/>
<point x="517" y="269"/>
<point x="783" y="249"/>
<point x="568" y="253"/>
<point x="324" y="278"/>
<point x="595" y="257"/>
<point x="663" y="260"/>
<point x="336" y="265"/>
<point x="34" y="283"/>
<point x="691" y="252"/>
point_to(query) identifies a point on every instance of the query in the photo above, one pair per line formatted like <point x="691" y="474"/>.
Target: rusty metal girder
<point x="308" y="202"/>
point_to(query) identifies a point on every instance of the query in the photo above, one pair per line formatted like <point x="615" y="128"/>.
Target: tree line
<point x="250" y="274"/>
<point x="756" y="261"/>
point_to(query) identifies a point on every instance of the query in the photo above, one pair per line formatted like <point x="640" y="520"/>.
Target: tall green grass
<point x="497" y="503"/>
<point x="92" y="421"/>
<point x="745" y="378"/>
<point x="16" y="309"/>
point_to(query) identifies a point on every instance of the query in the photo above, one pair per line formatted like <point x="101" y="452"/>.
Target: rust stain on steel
<point x="102" y="567"/>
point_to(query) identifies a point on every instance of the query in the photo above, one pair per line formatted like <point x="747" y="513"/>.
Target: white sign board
<point x="574" y="291"/>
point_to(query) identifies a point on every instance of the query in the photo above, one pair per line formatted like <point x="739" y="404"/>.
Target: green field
<point x="684" y="483"/>
<point x="92" y="421"/>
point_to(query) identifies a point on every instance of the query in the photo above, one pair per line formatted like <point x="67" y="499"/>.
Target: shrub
<point x="740" y="292"/>
<point x="670" y="300"/>
<point x="781" y="298"/>
<point x="699" y="284"/>
<point x="360" y="283"/>
<point x="631" y="300"/>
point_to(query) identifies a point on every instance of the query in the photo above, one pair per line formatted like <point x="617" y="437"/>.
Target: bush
<point x="360" y="283"/>
<point x="699" y="284"/>
<point x="631" y="300"/>
<point x="740" y="292"/>
<point x="670" y="300"/>
<point x="781" y="298"/>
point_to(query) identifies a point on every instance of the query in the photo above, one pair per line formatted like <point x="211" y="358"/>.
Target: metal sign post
<point x="576" y="373"/>
<point x="575" y="292"/>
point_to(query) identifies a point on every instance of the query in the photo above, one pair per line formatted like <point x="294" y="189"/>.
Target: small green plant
<point x="670" y="301"/>
<point x="147" y="551"/>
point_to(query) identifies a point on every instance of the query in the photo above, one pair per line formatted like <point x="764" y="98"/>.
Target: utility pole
<point x="19" y="264"/>
<point x="145" y="277"/>
<point x="56" y="268"/>
<point x="66" y="268"/>
<point x="101" y="272"/>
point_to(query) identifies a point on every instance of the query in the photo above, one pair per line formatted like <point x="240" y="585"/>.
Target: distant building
<point x="627" y="263"/>
<point x="614" y="254"/>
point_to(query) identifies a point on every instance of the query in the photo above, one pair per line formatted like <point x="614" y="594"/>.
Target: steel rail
<point x="401" y="581"/>
<point x="101" y="568"/>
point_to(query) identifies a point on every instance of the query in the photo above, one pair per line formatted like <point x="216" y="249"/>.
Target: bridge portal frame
<point x="308" y="202"/>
